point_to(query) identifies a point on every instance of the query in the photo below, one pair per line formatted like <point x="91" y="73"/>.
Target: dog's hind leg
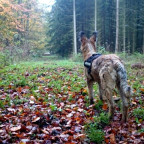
<point x="90" y="90"/>
<point x="108" y="81"/>
<point x="101" y="96"/>
<point x="108" y="95"/>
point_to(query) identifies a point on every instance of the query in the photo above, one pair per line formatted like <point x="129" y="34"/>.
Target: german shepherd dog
<point x="108" y="71"/>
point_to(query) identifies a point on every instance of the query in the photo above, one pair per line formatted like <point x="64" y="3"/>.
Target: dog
<point x="108" y="71"/>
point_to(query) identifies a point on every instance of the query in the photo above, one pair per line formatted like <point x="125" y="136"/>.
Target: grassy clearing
<point x="51" y="96"/>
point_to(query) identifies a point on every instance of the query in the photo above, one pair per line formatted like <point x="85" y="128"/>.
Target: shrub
<point x="4" y="60"/>
<point x="95" y="135"/>
<point x="98" y="105"/>
<point x="139" y="113"/>
<point x="94" y="129"/>
<point x="104" y="119"/>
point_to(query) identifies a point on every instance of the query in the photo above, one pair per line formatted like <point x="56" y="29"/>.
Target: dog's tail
<point x="122" y="78"/>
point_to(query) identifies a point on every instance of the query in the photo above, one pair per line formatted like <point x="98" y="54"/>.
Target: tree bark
<point x="143" y="41"/>
<point x="117" y="26"/>
<point x="74" y="24"/>
<point x="95" y="15"/>
<point x="124" y="30"/>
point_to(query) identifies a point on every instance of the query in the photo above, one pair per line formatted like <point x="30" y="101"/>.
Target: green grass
<point x="55" y="81"/>
<point x="139" y="113"/>
<point x="96" y="135"/>
<point x="61" y="76"/>
<point x="94" y="130"/>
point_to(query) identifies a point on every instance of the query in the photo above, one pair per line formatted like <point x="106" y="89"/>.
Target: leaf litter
<point x="51" y="107"/>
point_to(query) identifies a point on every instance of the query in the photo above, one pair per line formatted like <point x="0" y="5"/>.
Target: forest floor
<point x="47" y="102"/>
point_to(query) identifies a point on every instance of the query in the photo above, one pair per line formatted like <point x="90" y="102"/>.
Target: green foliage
<point x="133" y="58"/>
<point x="104" y="118"/>
<point x="141" y="130"/>
<point x="1" y="104"/>
<point x="20" y="36"/>
<point x="139" y="113"/>
<point x="98" y="105"/>
<point x="77" y="58"/>
<point x="53" y="107"/>
<point x="101" y="50"/>
<point x="96" y="135"/>
<point x="4" y="59"/>
<point x="94" y="129"/>
<point x="21" y="82"/>
<point x="60" y="22"/>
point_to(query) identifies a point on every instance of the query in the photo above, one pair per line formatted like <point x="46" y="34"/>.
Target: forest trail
<point x="48" y="102"/>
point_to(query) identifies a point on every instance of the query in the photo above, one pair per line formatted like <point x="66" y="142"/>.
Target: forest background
<point x="29" y="30"/>
<point x="43" y="92"/>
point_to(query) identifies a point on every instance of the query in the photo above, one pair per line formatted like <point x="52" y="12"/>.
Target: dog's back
<point x="108" y="71"/>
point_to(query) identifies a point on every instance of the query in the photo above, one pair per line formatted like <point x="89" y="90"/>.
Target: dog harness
<point x="88" y="62"/>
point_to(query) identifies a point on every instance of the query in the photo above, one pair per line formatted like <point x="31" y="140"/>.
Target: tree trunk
<point x="133" y="47"/>
<point x="143" y="41"/>
<point x="74" y="24"/>
<point x="124" y="30"/>
<point x="117" y="26"/>
<point x="95" y="15"/>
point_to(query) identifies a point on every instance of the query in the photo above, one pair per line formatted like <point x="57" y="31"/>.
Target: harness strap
<point x="88" y="62"/>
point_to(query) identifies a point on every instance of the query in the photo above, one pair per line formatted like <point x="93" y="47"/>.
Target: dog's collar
<point x="88" y="62"/>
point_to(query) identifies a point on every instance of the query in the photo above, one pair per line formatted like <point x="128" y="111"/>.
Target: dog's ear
<point x="82" y="37"/>
<point x="93" y="38"/>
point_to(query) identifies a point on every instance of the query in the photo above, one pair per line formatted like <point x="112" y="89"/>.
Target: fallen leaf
<point x="112" y="139"/>
<point x="80" y="136"/>
<point x="105" y="106"/>
<point x="134" y="103"/>
<point x="36" y="119"/>
<point x="142" y="89"/>
<point x="16" y="128"/>
<point x="11" y="110"/>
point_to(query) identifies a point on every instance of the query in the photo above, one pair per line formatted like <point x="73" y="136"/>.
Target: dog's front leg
<point x="90" y="90"/>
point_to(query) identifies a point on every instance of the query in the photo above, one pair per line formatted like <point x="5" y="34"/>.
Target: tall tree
<point x="95" y="15"/>
<point x="74" y="29"/>
<point x="117" y="26"/>
<point x="124" y="29"/>
<point x="60" y="32"/>
<point x="143" y="42"/>
<point x="21" y="27"/>
<point x="119" y="23"/>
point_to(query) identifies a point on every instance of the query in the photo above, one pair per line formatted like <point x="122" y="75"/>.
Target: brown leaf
<point x="112" y="139"/>
<point x="142" y="89"/>
<point x="16" y="128"/>
<point x="19" y="89"/>
<point x="70" y="115"/>
<point x="133" y="102"/>
<point x="36" y="119"/>
<point x="80" y="136"/>
<point x="105" y="106"/>
<point x="45" y="131"/>
<point x="106" y="140"/>
<point x="24" y="141"/>
<point x="11" y="110"/>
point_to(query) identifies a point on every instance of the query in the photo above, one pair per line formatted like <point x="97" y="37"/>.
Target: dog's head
<point x="88" y="44"/>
